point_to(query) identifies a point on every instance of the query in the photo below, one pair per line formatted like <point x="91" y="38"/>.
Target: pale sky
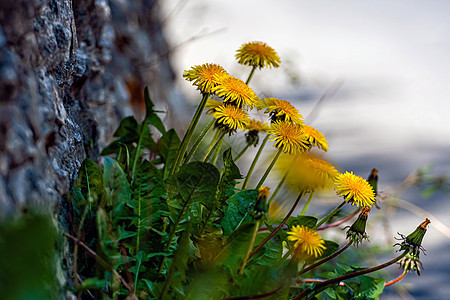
<point x="392" y="57"/>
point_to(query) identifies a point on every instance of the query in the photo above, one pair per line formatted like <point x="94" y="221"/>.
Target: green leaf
<point x="238" y="209"/>
<point x="150" y="206"/>
<point x="308" y="221"/>
<point x="196" y="182"/>
<point x="269" y="254"/>
<point x="29" y="261"/>
<point x="259" y="280"/>
<point x="128" y="127"/>
<point x="150" y="114"/>
<point x="177" y="272"/>
<point x="227" y="182"/>
<point x="117" y="189"/>
<point x="235" y="247"/>
<point x="106" y="238"/>
<point x="366" y="287"/>
<point x="90" y="181"/>
<point x="167" y="148"/>
<point x="330" y="248"/>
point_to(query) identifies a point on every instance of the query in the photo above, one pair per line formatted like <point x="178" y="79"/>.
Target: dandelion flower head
<point x="254" y="127"/>
<point x="281" y="110"/>
<point x="230" y="118"/>
<point x="306" y="172"/>
<point x="205" y="76"/>
<point x="288" y="137"/>
<point x="211" y="105"/>
<point x="258" y="54"/>
<point x="355" y="189"/>
<point x="307" y="241"/>
<point x="315" y="137"/>
<point x="234" y="91"/>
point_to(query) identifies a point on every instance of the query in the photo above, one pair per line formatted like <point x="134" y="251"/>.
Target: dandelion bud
<point x="413" y="242"/>
<point x="411" y="262"/>
<point x="357" y="232"/>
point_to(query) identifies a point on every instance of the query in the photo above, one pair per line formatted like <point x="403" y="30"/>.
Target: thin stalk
<point x="250" y="75"/>
<point x="188" y="135"/>
<point x="396" y="279"/>
<point x="277" y="189"/>
<point x="208" y="155"/>
<point x="250" y="246"/>
<point x="351" y="275"/>
<point x="258" y="154"/>
<point x="279" y="226"/>
<point x="327" y="217"/>
<point x="103" y="263"/>
<point x="311" y="195"/>
<point x="274" y="160"/>
<point x="241" y="153"/>
<point x="339" y="222"/>
<point x="324" y="260"/>
<point x="217" y="151"/>
<point x="199" y="139"/>
<point x="213" y="142"/>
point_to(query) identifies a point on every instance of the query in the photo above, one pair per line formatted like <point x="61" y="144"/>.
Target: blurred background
<point x="371" y="75"/>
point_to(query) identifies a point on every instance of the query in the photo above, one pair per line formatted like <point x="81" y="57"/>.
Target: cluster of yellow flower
<point x="287" y="131"/>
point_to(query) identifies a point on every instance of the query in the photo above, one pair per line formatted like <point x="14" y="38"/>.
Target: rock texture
<point x="69" y="71"/>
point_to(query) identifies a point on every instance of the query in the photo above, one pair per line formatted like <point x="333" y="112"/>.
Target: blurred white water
<point x="392" y="110"/>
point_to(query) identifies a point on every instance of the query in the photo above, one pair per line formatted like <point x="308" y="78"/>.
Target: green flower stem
<point x="199" y="140"/>
<point x="348" y="276"/>
<point x="250" y="75"/>
<point x="218" y="142"/>
<point x="311" y="195"/>
<point x="241" y="153"/>
<point x="274" y="160"/>
<point x="217" y="151"/>
<point x="258" y="154"/>
<point x="327" y="217"/>
<point x="279" y="226"/>
<point x="188" y="135"/>
<point x="324" y="260"/>
<point x="277" y="189"/>
<point x="213" y="142"/>
<point x="250" y="246"/>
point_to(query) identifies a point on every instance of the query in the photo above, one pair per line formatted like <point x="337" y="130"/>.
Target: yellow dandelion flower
<point x="306" y="172"/>
<point x="205" y="76"/>
<point x="276" y="211"/>
<point x="307" y="242"/>
<point x="355" y="189"/>
<point x="211" y="105"/>
<point x="315" y="137"/>
<point x="254" y="127"/>
<point x="230" y="118"/>
<point x="234" y="91"/>
<point x="281" y="110"/>
<point x="258" y="54"/>
<point x="263" y="191"/>
<point x="258" y="126"/>
<point x="288" y="137"/>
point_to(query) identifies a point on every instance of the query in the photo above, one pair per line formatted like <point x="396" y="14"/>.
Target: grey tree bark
<point x="69" y="71"/>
